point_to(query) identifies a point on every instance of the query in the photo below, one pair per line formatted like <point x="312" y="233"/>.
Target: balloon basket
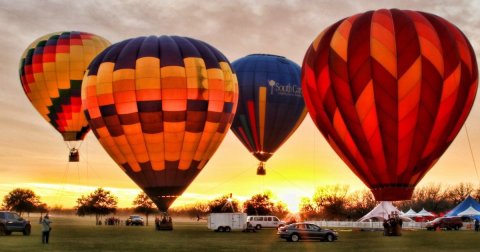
<point x="392" y="226"/>
<point x="261" y="169"/>
<point x="164" y="224"/>
<point x="74" y="156"/>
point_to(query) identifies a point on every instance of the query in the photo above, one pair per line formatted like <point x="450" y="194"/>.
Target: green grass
<point x="80" y="234"/>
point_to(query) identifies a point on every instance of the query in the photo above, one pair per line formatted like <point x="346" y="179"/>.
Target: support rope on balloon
<point x="471" y="152"/>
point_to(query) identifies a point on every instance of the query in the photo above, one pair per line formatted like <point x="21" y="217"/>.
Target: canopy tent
<point x="470" y="211"/>
<point x="464" y="205"/>
<point x="410" y="213"/>
<point x="425" y="213"/>
<point x="382" y="211"/>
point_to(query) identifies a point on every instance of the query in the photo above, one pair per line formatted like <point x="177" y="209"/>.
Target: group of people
<point x="393" y="225"/>
<point x="113" y="221"/>
<point x="164" y="224"/>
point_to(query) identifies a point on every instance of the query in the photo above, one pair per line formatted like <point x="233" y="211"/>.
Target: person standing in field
<point x="46" y="229"/>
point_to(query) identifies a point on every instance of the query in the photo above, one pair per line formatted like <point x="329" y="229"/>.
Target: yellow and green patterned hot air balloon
<point x="51" y="72"/>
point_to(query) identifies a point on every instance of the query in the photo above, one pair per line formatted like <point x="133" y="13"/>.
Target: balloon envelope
<point x="390" y="90"/>
<point x="270" y="105"/>
<point x="51" y="72"/>
<point x="160" y="106"/>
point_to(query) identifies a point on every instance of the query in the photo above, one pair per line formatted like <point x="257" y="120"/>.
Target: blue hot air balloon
<point x="270" y="104"/>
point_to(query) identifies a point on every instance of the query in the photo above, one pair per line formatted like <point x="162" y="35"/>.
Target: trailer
<point x="226" y="222"/>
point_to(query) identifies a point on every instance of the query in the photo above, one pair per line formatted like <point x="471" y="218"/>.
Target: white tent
<point x="411" y="213"/>
<point x="470" y="211"/>
<point x="425" y="213"/>
<point x="381" y="212"/>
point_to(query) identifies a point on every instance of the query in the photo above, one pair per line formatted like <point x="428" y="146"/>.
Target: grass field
<point x="80" y="234"/>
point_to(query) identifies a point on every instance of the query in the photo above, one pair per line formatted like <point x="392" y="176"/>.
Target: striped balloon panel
<point x="51" y="72"/>
<point x="270" y="106"/>
<point x="160" y="106"/>
<point x="390" y="90"/>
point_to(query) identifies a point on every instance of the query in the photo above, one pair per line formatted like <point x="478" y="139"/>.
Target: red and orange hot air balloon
<point x="51" y="72"/>
<point x="390" y="90"/>
<point x="160" y="107"/>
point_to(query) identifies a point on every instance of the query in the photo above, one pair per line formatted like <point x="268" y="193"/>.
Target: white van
<point x="265" y="221"/>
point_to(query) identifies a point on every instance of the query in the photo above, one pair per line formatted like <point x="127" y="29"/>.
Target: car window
<point x="269" y="218"/>
<point x="2" y="215"/>
<point x="275" y="219"/>
<point x="301" y="226"/>
<point x="16" y="216"/>
<point x="312" y="227"/>
<point x="9" y="216"/>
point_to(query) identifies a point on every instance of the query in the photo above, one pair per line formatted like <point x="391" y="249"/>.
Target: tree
<point x="459" y="192"/>
<point x="144" y="205"/>
<point x="259" y="204"/>
<point x="332" y="200"/>
<point x="280" y="210"/>
<point x="22" y="200"/>
<point x="431" y="197"/>
<point x="223" y="204"/>
<point x="42" y="208"/>
<point x="100" y="203"/>
<point x="360" y="203"/>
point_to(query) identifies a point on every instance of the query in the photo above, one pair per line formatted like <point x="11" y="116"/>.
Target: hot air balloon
<point x="51" y="72"/>
<point x="160" y="107"/>
<point x="270" y="106"/>
<point x="390" y="90"/>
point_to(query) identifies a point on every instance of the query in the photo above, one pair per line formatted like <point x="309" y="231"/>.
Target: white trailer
<point x="225" y="222"/>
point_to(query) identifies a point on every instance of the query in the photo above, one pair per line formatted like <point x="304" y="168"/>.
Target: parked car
<point x="12" y="222"/>
<point x="260" y="222"/>
<point x="306" y="231"/>
<point x="134" y="220"/>
<point x="448" y="223"/>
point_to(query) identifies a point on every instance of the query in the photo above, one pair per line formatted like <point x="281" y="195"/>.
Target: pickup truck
<point x="12" y="222"/>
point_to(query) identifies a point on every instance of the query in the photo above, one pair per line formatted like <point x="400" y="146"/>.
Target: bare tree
<point x="432" y="197"/>
<point x="360" y="203"/>
<point x="458" y="193"/>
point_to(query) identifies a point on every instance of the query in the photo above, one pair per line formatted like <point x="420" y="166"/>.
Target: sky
<point x="33" y="155"/>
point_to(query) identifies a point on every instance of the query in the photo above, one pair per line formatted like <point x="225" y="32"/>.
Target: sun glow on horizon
<point x="65" y="195"/>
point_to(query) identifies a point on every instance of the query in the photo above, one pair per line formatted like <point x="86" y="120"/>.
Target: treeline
<point x="258" y="204"/>
<point x="102" y="202"/>
<point x="330" y="202"/>
<point x="335" y="202"/>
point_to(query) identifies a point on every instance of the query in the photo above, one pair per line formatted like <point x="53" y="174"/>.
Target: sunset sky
<point x="33" y="155"/>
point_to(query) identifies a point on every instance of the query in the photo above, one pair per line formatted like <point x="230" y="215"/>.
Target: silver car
<point x="306" y="231"/>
